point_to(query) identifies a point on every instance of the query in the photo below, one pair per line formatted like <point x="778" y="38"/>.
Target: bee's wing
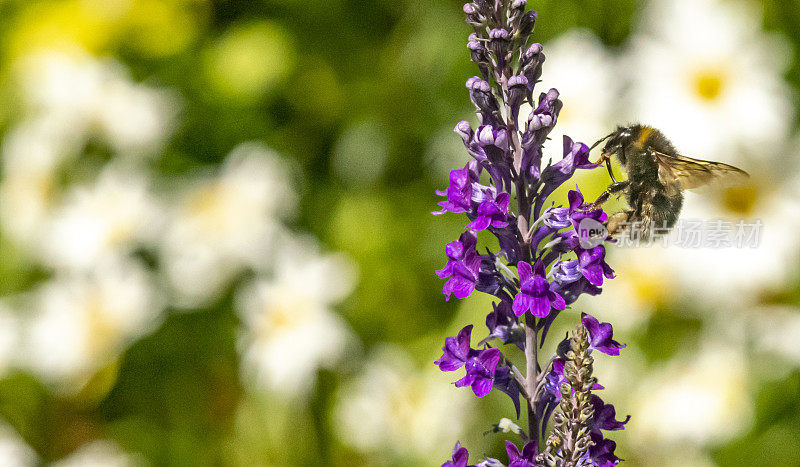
<point x="694" y="173"/>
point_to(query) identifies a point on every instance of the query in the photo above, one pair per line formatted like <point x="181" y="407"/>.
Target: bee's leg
<point x="616" y="220"/>
<point x="613" y="188"/>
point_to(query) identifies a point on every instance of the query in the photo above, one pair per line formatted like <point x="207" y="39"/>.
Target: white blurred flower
<point x="583" y="71"/>
<point x="100" y="453"/>
<point x="31" y="153"/>
<point x="777" y="330"/>
<point x="289" y="327"/>
<point x="14" y="452"/>
<point x="394" y="406"/>
<point x="98" y="97"/>
<point x="67" y="98"/>
<point x="135" y="119"/>
<point x="225" y="223"/>
<point x="705" y="73"/>
<point x="736" y="275"/>
<point x="81" y="322"/>
<point x="697" y="400"/>
<point x="109" y="218"/>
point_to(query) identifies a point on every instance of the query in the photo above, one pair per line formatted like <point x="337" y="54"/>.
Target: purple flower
<point x="601" y="335"/>
<point x="535" y="294"/>
<point x="459" y="192"/>
<point x="492" y="211"/>
<point x="578" y="211"/>
<point x="494" y="142"/>
<point x="460" y="457"/>
<point x="509" y="243"/>
<point x="457" y="351"/>
<point x="488" y="276"/>
<point x="517" y="92"/>
<point x="480" y="93"/>
<point x="502" y="316"/>
<point x="605" y="417"/>
<point x="531" y="65"/>
<point x="572" y="290"/>
<point x="489" y="147"/>
<point x="479" y="54"/>
<point x="480" y="372"/>
<point x="593" y="266"/>
<point x="576" y="156"/>
<point x="463" y="266"/>
<point x="540" y="123"/>
<point x="590" y="264"/>
<point x="526" y="458"/>
<point x="601" y="452"/>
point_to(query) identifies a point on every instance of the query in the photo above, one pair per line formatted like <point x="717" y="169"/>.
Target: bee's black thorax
<point x="650" y="200"/>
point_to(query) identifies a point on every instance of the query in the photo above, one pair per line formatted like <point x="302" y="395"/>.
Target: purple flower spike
<point x="535" y="293"/>
<point x="456" y="351"/>
<point x="605" y="417"/>
<point x="460" y="457"/>
<point x="492" y="211"/>
<point x="601" y="335"/>
<point x="463" y="266"/>
<point x="480" y="372"/>
<point x="526" y="458"/>
<point x="557" y="247"/>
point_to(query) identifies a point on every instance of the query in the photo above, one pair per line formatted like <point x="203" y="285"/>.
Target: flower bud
<point x="517" y="90"/>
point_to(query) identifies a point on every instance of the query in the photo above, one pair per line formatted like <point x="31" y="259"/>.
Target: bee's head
<point x="616" y="141"/>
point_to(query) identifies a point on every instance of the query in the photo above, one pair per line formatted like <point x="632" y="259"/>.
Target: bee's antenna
<point x="601" y="140"/>
<point x="597" y="143"/>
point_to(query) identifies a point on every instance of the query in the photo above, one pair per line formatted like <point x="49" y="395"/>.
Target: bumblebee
<point x="656" y="177"/>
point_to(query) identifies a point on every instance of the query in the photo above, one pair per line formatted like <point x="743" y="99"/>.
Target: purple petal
<point x="480" y="223"/>
<point x="575" y="198"/>
<point x="502" y="201"/>
<point x="482" y="386"/>
<point x="467" y="380"/>
<point x="522" y="303"/>
<point x="454" y="250"/>
<point x="593" y="273"/>
<point x="541" y="307"/>
<point x="513" y="452"/>
<point x="537" y="286"/>
<point x="489" y="359"/>
<point x="524" y="270"/>
<point x="590" y="323"/>
<point x="556" y="301"/>
<point x="460" y="456"/>
<point x="538" y="269"/>
<point x="461" y="287"/>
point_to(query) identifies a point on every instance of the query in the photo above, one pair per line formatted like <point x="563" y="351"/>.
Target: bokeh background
<point x="216" y="245"/>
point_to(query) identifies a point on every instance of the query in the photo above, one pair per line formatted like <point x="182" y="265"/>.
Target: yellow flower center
<point x="740" y="199"/>
<point x="104" y="333"/>
<point x="709" y="84"/>
<point x="284" y="315"/>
